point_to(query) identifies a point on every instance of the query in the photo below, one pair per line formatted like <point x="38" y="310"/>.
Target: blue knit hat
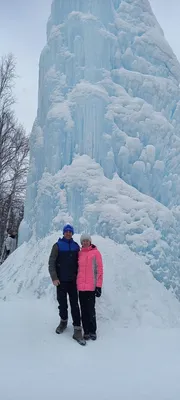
<point x="68" y="228"/>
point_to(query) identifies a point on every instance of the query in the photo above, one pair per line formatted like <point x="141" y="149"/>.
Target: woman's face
<point x="86" y="243"/>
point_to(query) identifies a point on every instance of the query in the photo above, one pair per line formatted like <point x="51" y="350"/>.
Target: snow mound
<point x="82" y="195"/>
<point x="131" y="295"/>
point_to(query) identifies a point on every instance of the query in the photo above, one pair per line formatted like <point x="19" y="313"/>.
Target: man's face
<point x="68" y="235"/>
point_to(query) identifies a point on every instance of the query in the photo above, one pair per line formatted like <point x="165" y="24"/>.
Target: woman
<point x="89" y="284"/>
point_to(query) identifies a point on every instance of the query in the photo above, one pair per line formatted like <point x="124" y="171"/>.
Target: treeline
<point x="14" y="147"/>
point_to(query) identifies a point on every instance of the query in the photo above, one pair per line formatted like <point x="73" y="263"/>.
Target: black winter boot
<point x="61" y="327"/>
<point x="93" y="336"/>
<point x="86" y="336"/>
<point x="78" y="335"/>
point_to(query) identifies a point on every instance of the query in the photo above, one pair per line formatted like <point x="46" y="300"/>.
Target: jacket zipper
<point x="86" y="270"/>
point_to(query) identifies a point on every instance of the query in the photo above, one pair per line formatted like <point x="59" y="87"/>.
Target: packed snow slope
<point x="82" y="195"/>
<point x="128" y="364"/>
<point x="108" y="88"/>
<point x="132" y="297"/>
<point x="139" y="363"/>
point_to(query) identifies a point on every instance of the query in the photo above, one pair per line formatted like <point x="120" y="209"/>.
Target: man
<point x="63" y="267"/>
<point x="10" y="244"/>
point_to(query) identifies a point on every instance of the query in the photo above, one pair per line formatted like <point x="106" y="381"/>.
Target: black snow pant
<point x="88" y="312"/>
<point x="64" y="289"/>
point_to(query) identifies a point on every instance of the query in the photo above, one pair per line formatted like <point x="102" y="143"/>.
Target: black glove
<point x="98" y="292"/>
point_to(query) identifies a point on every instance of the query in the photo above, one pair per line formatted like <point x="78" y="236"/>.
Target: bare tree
<point x="7" y="118"/>
<point x="13" y="153"/>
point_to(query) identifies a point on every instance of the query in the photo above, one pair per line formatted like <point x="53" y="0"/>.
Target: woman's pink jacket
<point x="90" y="271"/>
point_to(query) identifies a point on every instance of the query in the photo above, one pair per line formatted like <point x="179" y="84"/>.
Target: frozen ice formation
<point x="109" y="92"/>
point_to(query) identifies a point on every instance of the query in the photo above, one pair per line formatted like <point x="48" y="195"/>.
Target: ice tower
<point x="108" y="89"/>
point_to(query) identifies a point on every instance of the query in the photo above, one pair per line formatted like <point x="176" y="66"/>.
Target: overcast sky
<point x="23" y="32"/>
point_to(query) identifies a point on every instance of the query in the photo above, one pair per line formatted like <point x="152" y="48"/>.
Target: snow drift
<point x="82" y="195"/>
<point x="131" y="296"/>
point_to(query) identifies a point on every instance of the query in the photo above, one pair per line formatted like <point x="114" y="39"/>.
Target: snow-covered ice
<point x="83" y="196"/>
<point x="109" y="88"/>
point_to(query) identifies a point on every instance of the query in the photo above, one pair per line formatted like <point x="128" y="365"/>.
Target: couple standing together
<point x="77" y="271"/>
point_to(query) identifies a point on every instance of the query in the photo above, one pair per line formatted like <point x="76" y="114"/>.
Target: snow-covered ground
<point x="136" y="356"/>
<point x="127" y="364"/>
<point x="131" y="295"/>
